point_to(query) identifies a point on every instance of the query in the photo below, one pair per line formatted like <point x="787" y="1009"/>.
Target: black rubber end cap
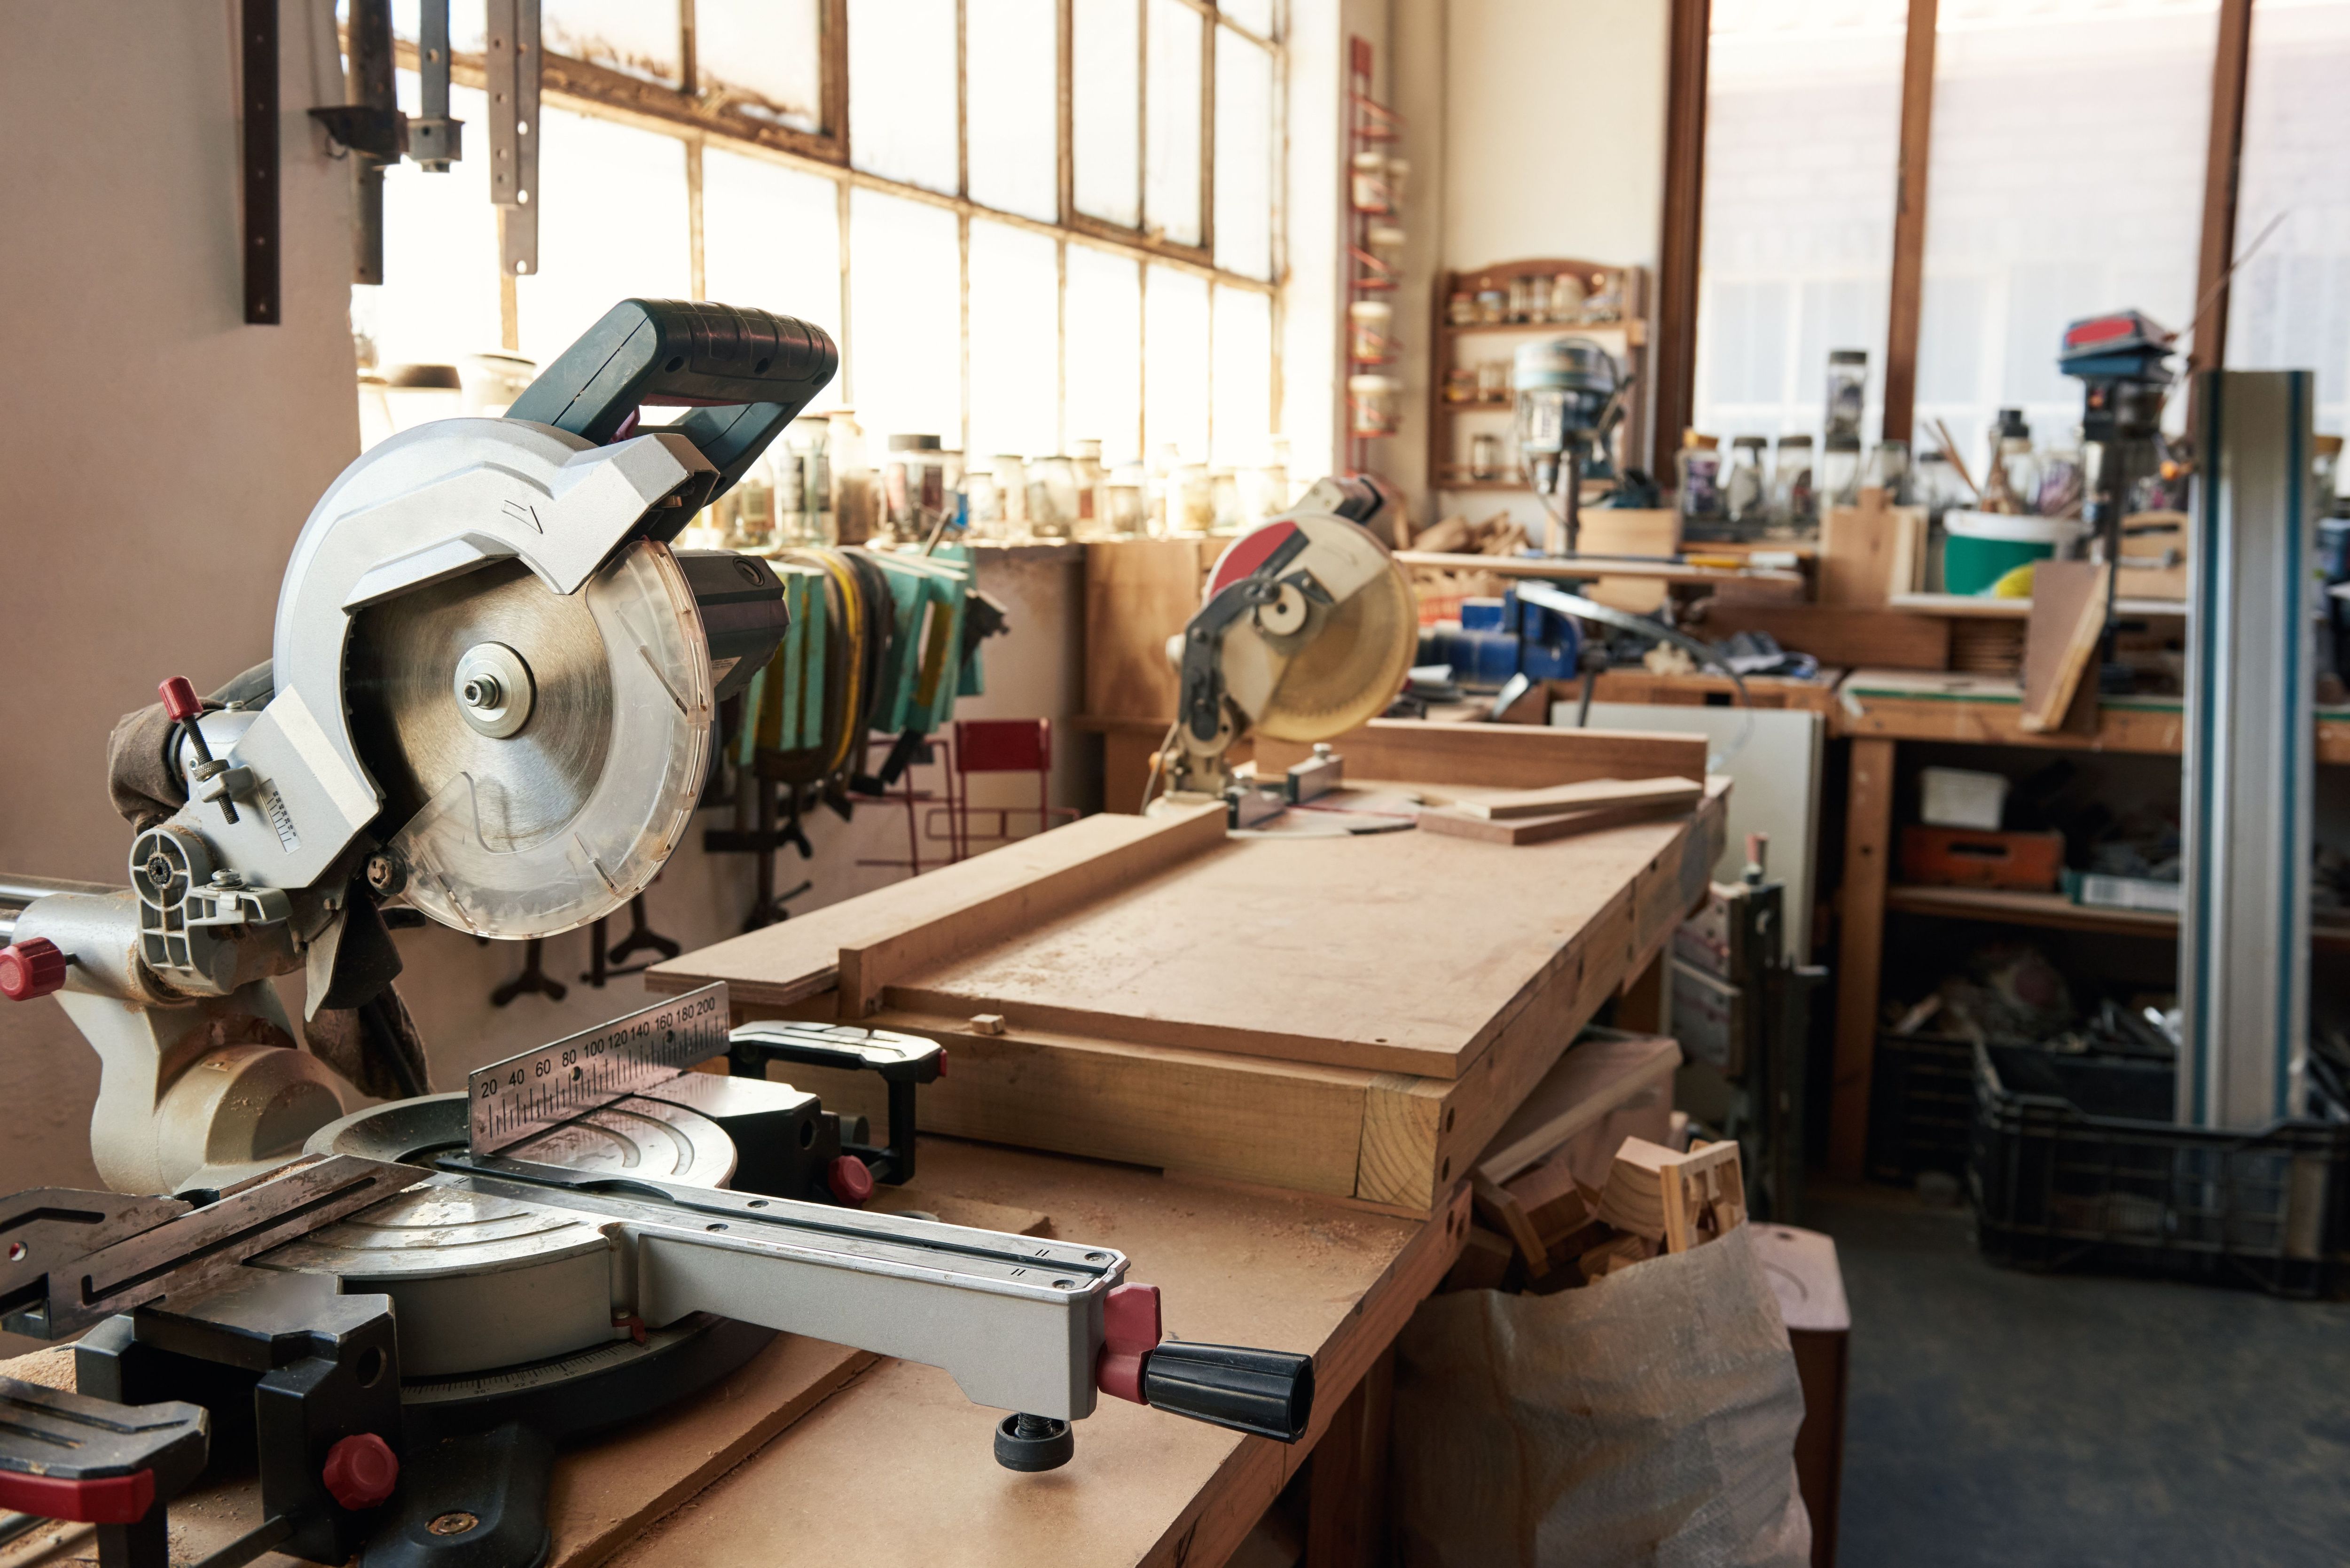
<point x="1033" y="1443"/>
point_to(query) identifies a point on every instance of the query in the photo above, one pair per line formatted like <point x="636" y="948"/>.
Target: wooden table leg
<point x="1867" y="846"/>
<point x="1346" y="1489"/>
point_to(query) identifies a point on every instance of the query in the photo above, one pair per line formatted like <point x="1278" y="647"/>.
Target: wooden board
<point x="1464" y="822"/>
<point x="607" y="1493"/>
<point x="1863" y="550"/>
<point x="1138" y="593"/>
<point x="1495" y="756"/>
<point x="1595" y="1078"/>
<point x="799" y="958"/>
<point x="1843" y="635"/>
<point x="1284" y="1272"/>
<point x="1392" y="1139"/>
<point x="2068" y="619"/>
<point x="1583" y="796"/>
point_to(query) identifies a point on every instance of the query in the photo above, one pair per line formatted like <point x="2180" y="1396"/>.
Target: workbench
<point x="1877" y="709"/>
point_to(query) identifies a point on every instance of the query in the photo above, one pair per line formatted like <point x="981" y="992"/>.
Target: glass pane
<point x="468" y="29"/>
<point x="771" y="238"/>
<point x="1175" y="363"/>
<point x="1244" y="428"/>
<point x="1016" y="312"/>
<point x="2289" y="308"/>
<point x="636" y="37"/>
<point x="1802" y="138"/>
<point x="1104" y="350"/>
<point x="587" y="170"/>
<point x="438" y="299"/>
<point x="901" y="90"/>
<point x="1011" y="77"/>
<point x="1243" y="155"/>
<point x="1105" y="108"/>
<point x="905" y="317"/>
<point x="2066" y="180"/>
<point x="1256" y="16"/>
<point x="1170" y="189"/>
<point x="763" y="60"/>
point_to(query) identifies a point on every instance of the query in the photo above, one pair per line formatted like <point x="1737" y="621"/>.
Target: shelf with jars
<point x="1374" y="187"/>
<point x="1522" y="302"/>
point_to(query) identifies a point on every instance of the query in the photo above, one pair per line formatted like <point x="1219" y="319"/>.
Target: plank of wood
<point x="1288" y="1274"/>
<point x="799" y="958"/>
<point x="1138" y="593"/>
<point x="2068" y="620"/>
<point x="1676" y="792"/>
<point x="1495" y="1205"/>
<point x="1459" y="823"/>
<point x="1867" y="849"/>
<point x="1858" y="545"/>
<point x="966" y="925"/>
<point x="1592" y="1080"/>
<point x="1851" y="636"/>
<point x="1499" y="756"/>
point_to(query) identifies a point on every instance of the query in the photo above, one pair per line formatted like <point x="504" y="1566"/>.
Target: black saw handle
<point x="753" y="370"/>
<point x="1267" y="1392"/>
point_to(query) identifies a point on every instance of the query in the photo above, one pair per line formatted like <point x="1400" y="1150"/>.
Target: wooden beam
<point x="1909" y="222"/>
<point x="1500" y="756"/>
<point x="1867" y="841"/>
<point x="1678" y="247"/>
<point x="2223" y="163"/>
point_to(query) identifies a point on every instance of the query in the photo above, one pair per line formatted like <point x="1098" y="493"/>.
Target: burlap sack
<point x="1647" y="1418"/>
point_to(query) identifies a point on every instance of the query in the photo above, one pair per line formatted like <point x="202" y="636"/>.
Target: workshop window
<point x="2289" y="307"/>
<point x="1005" y="276"/>
<point x="1802" y="118"/>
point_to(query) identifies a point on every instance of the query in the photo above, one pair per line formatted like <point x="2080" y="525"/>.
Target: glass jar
<point x="1493" y="380"/>
<point x="1936" y="486"/>
<point x="1792" y="507"/>
<point x="2011" y="480"/>
<point x="1012" y="495"/>
<point x="1493" y="307"/>
<point x="1398" y="172"/>
<point x="1744" y="487"/>
<point x="913" y="486"/>
<point x="1485" y="456"/>
<point x="1371" y="403"/>
<point x="1372" y="191"/>
<point x="1461" y="309"/>
<point x="1888" y="470"/>
<point x="1093" y="478"/>
<point x="1847" y="396"/>
<point x="1522" y="300"/>
<point x="1460" y="384"/>
<point x="1127" y="515"/>
<point x="1370" y="321"/>
<point x="1839" y="481"/>
<point x="1225" y="499"/>
<point x="2061" y="473"/>
<point x="1053" y="497"/>
<point x="1566" y="297"/>
<point x="1190" y="500"/>
<point x="1700" y="476"/>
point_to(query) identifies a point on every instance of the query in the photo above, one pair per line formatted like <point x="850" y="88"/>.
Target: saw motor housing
<point x="490" y="692"/>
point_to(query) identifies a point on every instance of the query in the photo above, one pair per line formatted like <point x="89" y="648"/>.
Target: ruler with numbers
<point x="522" y="1096"/>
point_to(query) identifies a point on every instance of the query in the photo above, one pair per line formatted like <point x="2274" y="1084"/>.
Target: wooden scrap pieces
<point x="1680" y="1201"/>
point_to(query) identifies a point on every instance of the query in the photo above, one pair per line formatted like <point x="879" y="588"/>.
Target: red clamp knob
<point x="1129" y="1334"/>
<point x="180" y="700"/>
<point x="850" y="1180"/>
<point x="361" y="1471"/>
<point x="31" y="968"/>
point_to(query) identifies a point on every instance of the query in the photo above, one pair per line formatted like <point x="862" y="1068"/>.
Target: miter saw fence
<point x="1307" y="630"/>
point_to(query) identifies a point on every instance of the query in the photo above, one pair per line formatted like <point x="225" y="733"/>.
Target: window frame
<point x="1679" y="247"/>
<point x="679" y="112"/>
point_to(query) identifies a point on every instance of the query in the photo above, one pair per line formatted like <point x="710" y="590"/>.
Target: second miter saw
<point x="1307" y="629"/>
<point x="490" y="700"/>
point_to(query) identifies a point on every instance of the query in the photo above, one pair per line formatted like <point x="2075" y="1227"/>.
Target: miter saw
<point x="1307" y="629"/>
<point x="490" y="701"/>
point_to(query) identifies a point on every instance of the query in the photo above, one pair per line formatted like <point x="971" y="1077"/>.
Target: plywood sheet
<point x="1402" y="952"/>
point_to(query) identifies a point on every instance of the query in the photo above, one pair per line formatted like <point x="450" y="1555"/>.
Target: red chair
<point x="913" y="800"/>
<point x="999" y="746"/>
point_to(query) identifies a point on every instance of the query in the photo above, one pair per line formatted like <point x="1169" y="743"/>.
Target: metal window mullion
<point x="1208" y="134"/>
<point x="962" y="245"/>
<point x="1061" y="337"/>
<point x="697" y="267"/>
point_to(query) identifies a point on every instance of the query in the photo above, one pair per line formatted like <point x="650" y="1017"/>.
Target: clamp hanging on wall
<point x="371" y="125"/>
<point x="511" y="64"/>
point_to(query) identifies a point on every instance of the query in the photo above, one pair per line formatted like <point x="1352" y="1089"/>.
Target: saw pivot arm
<point x="1202" y="694"/>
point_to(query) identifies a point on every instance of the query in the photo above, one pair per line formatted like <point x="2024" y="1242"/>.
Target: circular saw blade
<point x="1353" y="665"/>
<point x="568" y="818"/>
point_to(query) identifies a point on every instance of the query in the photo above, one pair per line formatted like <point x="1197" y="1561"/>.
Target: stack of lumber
<point x="1544" y="1230"/>
<point x="1562" y="810"/>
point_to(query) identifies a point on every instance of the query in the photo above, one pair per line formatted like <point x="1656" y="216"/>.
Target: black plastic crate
<point x="2057" y="1187"/>
<point x="1921" y="1105"/>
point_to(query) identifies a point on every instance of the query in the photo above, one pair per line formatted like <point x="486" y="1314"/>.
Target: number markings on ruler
<point x="524" y="1096"/>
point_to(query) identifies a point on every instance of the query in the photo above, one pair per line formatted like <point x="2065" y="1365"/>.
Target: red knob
<point x="1129" y="1334"/>
<point x="849" y="1179"/>
<point x="180" y="699"/>
<point x="361" y="1471"/>
<point x="31" y="968"/>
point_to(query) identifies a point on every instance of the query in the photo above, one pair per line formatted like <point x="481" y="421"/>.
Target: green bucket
<point x="1981" y="547"/>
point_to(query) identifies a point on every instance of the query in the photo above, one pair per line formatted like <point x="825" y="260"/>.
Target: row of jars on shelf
<point x="1567" y="297"/>
<point x="821" y="490"/>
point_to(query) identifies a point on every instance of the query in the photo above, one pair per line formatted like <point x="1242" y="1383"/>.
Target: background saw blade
<point x="555" y="804"/>
<point x="1353" y="666"/>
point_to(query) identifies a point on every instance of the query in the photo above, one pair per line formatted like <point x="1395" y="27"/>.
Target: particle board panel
<point x="1285" y="1273"/>
<point x="1290" y="947"/>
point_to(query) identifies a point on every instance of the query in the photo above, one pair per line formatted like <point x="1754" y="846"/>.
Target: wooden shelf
<point x="1978" y="606"/>
<point x="2005" y="905"/>
<point x="1635" y="332"/>
<point x="1927" y="705"/>
<point x="1584" y="568"/>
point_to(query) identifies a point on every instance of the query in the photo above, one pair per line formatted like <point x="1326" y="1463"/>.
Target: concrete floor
<point x="2013" y="1418"/>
